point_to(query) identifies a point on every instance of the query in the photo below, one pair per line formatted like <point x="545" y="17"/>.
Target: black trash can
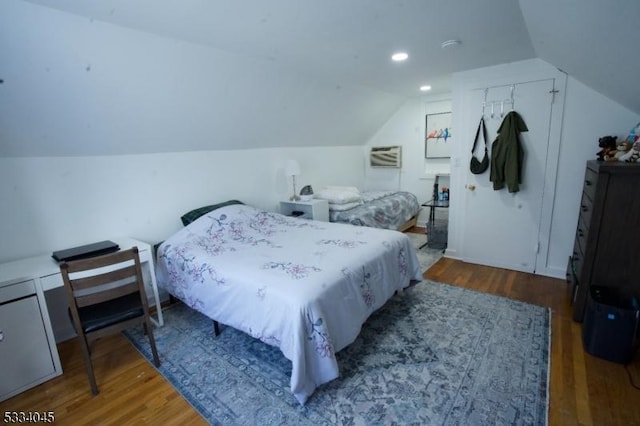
<point x="610" y="323"/>
<point x="437" y="234"/>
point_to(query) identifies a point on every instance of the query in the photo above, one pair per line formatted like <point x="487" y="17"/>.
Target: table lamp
<point x="292" y="168"/>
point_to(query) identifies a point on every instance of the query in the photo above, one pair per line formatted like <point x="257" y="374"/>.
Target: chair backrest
<point x="102" y="278"/>
<point x="112" y="282"/>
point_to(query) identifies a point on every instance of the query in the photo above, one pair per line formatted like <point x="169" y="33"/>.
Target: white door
<point x="500" y="228"/>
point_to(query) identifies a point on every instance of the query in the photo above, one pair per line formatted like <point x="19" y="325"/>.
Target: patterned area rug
<point x="426" y="256"/>
<point x="433" y="355"/>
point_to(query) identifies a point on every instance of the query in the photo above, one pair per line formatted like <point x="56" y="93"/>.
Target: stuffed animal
<point x="633" y="156"/>
<point x="621" y="150"/>
<point x="607" y="143"/>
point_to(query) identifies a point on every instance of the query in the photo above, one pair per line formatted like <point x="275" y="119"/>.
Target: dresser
<point x="607" y="242"/>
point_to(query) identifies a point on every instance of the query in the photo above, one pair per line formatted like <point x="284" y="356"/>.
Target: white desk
<point x="22" y="286"/>
<point x="46" y="271"/>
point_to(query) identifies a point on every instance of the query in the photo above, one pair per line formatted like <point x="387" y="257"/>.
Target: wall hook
<point x="513" y="86"/>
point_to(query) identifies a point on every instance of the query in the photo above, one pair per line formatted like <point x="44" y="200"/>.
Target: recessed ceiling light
<point x="425" y="88"/>
<point x="399" y="56"/>
<point x="450" y="43"/>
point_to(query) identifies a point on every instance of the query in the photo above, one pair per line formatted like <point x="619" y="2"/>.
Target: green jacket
<point x="507" y="154"/>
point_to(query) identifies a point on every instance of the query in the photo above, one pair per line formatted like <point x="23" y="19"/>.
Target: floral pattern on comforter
<point x="380" y="209"/>
<point x="303" y="286"/>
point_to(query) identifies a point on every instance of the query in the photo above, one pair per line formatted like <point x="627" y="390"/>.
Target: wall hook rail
<point x="492" y="104"/>
<point x="484" y="103"/>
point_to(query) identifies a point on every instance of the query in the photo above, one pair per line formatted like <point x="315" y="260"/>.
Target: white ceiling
<point x="348" y="41"/>
<point x="596" y="41"/>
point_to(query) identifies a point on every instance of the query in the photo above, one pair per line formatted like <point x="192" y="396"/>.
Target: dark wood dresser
<point x="606" y="251"/>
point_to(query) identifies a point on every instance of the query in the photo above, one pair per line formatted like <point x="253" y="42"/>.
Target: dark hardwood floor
<point x="584" y="390"/>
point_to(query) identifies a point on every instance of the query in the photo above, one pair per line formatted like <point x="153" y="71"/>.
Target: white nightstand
<point x="314" y="209"/>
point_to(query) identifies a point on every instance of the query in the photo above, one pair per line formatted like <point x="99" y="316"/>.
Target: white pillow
<point x="339" y="196"/>
<point x="343" y="188"/>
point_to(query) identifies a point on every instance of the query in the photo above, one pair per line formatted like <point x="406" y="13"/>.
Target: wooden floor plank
<point x="584" y="390"/>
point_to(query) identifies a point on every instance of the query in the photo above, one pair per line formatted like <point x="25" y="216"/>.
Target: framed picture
<point x="437" y="141"/>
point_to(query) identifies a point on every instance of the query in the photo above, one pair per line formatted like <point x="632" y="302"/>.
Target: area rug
<point x="433" y="355"/>
<point x="426" y="256"/>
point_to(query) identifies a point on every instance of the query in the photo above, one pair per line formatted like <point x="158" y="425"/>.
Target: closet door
<point x="505" y="229"/>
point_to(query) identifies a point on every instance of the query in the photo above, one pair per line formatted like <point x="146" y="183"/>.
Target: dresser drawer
<point x="577" y="258"/>
<point x="582" y="233"/>
<point x="590" y="181"/>
<point x="572" y="280"/>
<point x="586" y="208"/>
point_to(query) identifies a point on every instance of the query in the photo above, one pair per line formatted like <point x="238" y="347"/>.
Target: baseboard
<point x="552" y="273"/>
<point x="452" y="254"/>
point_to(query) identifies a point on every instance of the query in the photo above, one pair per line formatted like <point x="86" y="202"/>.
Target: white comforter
<point x="303" y="286"/>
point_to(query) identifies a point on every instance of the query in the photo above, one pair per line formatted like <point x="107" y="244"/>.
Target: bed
<point x="379" y="209"/>
<point x="303" y="286"/>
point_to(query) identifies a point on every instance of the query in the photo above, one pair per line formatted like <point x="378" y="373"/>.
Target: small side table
<point x="314" y="209"/>
<point x="433" y="205"/>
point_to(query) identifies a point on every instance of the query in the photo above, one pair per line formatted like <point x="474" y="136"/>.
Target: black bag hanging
<point x="478" y="167"/>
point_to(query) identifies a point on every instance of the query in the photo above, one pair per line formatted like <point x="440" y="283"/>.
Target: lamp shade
<point x="292" y="168"/>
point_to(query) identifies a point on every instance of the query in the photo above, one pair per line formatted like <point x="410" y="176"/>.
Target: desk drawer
<point x="17" y="291"/>
<point x="49" y="282"/>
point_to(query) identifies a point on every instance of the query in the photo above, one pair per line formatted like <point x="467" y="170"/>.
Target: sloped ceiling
<point x="117" y="76"/>
<point x="595" y="41"/>
<point x="345" y="40"/>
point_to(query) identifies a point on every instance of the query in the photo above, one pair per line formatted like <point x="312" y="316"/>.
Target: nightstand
<point x="314" y="209"/>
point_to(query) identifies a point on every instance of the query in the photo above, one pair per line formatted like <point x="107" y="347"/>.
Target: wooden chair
<point x="106" y="295"/>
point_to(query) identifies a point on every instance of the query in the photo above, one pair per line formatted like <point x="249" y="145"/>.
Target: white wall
<point x="407" y="128"/>
<point x="588" y="116"/>
<point x="60" y="202"/>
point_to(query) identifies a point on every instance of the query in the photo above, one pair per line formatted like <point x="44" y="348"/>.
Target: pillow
<point x="194" y="214"/>
<point x="339" y="195"/>
<point x="343" y="188"/>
